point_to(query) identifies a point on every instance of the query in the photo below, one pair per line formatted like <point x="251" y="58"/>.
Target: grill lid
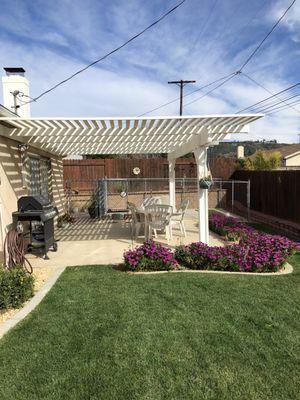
<point x="33" y="203"/>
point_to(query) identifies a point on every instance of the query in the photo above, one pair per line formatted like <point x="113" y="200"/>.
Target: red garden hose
<point x="14" y="251"/>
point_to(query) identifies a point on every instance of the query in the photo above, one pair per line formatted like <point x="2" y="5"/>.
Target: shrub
<point x="260" y="161"/>
<point x="275" y="160"/>
<point x="150" y="256"/>
<point x="16" y="286"/>
<point x="244" y="164"/>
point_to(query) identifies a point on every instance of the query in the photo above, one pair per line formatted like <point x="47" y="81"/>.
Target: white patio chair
<point x="138" y="219"/>
<point x="158" y="219"/>
<point x="148" y="201"/>
<point x="177" y="217"/>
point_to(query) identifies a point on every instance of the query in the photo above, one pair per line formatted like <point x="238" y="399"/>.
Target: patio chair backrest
<point x="149" y="201"/>
<point x="158" y="215"/>
<point x="132" y="208"/>
<point x="183" y="206"/>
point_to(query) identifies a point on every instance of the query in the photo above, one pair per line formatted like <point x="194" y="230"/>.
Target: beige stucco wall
<point x="12" y="186"/>
<point x="293" y="161"/>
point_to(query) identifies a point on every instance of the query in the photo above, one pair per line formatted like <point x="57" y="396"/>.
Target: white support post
<point x="172" y="182"/>
<point x="201" y="160"/>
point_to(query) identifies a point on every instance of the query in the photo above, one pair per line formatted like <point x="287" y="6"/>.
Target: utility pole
<point x="181" y="84"/>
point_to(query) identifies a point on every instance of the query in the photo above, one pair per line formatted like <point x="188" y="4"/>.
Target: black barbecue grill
<point x="40" y="213"/>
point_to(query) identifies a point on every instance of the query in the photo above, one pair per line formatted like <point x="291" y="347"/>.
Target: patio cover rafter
<point x="174" y="135"/>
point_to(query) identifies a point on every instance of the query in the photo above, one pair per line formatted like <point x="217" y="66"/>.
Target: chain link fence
<point x="114" y="194"/>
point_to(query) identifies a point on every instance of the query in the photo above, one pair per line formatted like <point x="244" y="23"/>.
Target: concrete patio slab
<point x="91" y="242"/>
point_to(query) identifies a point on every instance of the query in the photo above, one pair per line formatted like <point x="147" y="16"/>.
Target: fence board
<point x="275" y="193"/>
<point x="221" y="167"/>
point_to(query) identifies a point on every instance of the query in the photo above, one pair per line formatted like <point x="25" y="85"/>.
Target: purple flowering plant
<point x="150" y="256"/>
<point x="228" y="227"/>
<point x="255" y="252"/>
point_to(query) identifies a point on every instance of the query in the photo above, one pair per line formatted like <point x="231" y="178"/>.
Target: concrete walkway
<point x="91" y="242"/>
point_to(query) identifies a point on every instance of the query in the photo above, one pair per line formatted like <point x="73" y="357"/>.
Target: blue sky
<point x="202" y="40"/>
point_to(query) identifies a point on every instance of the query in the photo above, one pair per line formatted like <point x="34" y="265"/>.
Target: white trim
<point x="290" y="155"/>
<point x="175" y="135"/>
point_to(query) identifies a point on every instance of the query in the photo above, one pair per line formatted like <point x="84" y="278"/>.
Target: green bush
<point x="260" y="161"/>
<point x="16" y="286"/>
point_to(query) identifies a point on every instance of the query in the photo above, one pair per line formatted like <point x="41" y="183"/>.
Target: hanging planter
<point x="205" y="183"/>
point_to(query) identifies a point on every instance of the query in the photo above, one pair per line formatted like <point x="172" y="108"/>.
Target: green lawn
<point x="103" y="334"/>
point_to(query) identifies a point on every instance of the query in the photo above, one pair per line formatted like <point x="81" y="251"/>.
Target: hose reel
<point x="14" y="249"/>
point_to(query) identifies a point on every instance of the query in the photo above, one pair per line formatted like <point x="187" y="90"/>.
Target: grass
<point x="103" y="334"/>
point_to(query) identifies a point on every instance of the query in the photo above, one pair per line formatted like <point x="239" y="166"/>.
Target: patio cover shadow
<point x="85" y="228"/>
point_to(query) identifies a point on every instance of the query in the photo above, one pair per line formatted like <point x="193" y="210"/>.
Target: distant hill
<point x="230" y="148"/>
<point x="224" y="148"/>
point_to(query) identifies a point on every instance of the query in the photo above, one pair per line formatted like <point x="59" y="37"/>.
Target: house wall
<point x="14" y="180"/>
<point x="293" y="161"/>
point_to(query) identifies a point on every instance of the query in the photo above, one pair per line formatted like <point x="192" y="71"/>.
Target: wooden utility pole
<point x="181" y="84"/>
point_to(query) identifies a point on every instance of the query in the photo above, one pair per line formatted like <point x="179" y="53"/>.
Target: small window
<point x="39" y="169"/>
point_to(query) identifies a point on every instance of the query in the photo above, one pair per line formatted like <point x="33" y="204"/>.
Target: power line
<point x="244" y="26"/>
<point x="234" y="73"/>
<point x="268" y="91"/>
<point x="142" y="32"/>
<point x="275" y="105"/>
<point x="111" y="52"/>
<point x="267" y="35"/>
<point x="270" y="97"/>
<point x="185" y="95"/>
<point x="275" y="110"/>
<point x="272" y="102"/>
<point x="270" y="107"/>
<point x="204" y="25"/>
<point x="212" y="90"/>
<point x="253" y="17"/>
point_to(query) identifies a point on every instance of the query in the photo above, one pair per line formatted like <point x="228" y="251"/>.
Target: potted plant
<point x="93" y="206"/>
<point x="205" y="183"/>
<point x="65" y="219"/>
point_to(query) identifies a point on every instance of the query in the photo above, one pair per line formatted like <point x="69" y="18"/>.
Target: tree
<point x="275" y="160"/>
<point x="260" y="162"/>
<point x="244" y="164"/>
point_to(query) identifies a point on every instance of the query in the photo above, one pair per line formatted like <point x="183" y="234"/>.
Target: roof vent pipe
<point x="240" y="153"/>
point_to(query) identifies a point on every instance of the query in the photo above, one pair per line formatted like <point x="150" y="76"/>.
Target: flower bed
<point x="150" y="256"/>
<point x="258" y="252"/>
<point x="229" y="228"/>
<point x="254" y="252"/>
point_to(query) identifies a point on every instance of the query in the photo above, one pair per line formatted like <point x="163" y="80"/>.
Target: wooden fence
<point x="276" y="193"/>
<point x="89" y="170"/>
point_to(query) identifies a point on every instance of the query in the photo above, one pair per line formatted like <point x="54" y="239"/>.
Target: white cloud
<point x="292" y="18"/>
<point x="135" y="79"/>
